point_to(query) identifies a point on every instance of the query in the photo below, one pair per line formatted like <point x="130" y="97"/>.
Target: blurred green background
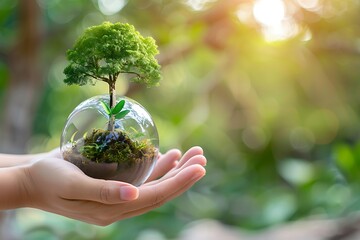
<point x="268" y="88"/>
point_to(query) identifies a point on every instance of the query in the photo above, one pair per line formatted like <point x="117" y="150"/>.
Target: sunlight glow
<point x="276" y="24"/>
<point x="309" y="4"/>
<point x="269" y="12"/>
<point x="282" y="31"/>
<point x="307" y="36"/>
<point x="198" y="5"/>
<point x="244" y="13"/>
<point x="110" y="7"/>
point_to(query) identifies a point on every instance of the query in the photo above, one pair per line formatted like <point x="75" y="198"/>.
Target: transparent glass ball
<point x="127" y="153"/>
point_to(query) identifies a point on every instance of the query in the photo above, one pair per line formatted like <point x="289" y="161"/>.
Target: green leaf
<point x="105" y="107"/>
<point x="122" y="114"/>
<point x="73" y="137"/>
<point x="118" y="107"/>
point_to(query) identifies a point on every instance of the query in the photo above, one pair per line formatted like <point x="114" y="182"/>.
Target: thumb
<point x="104" y="191"/>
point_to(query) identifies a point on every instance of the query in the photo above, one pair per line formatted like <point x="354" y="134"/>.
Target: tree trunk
<point x="22" y="93"/>
<point x="112" y="103"/>
<point x="25" y="81"/>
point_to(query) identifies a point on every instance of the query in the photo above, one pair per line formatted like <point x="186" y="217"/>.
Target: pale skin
<point x="47" y="182"/>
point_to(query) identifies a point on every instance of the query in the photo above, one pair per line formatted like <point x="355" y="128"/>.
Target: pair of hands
<point x="57" y="186"/>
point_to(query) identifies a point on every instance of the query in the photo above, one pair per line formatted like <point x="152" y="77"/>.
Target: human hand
<point x="57" y="186"/>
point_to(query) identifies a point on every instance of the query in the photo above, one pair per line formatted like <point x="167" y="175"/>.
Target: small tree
<point x="105" y="51"/>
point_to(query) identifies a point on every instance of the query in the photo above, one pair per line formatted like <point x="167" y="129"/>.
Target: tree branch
<point x="97" y="77"/>
<point x="132" y="73"/>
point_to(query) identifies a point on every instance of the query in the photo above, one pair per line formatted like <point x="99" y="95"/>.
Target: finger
<point x="103" y="191"/>
<point x="190" y="153"/>
<point x="165" y="163"/>
<point x="195" y="160"/>
<point x="150" y="195"/>
<point x="155" y="196"/>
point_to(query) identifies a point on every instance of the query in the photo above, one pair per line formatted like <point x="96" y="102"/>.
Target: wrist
<point x="12" y="160"/>
<point x="13" y="183"/>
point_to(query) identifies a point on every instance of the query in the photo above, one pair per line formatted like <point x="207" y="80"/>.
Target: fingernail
<point x="128" y="193"/>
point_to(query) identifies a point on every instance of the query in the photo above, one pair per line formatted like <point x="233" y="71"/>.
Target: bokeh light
<point x="198" y="5"/>
<point x="269" y="12"/>
<point x="309" y="4"/>
<point x="275" y="20"/>
<point x="110" y="7"/>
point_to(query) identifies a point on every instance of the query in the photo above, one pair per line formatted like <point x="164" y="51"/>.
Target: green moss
<point x="104" y="146"/>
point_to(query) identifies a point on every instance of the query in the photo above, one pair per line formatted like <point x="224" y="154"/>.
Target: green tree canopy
<point x="107" y="50"/>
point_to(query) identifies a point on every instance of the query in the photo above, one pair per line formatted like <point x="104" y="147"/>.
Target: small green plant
<point x="72" y="138"/>
<point x="135" y="134"/>
<point x="116" y="111"/>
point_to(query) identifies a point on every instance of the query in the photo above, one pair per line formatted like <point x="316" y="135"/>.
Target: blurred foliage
<point x="272" y="99"/>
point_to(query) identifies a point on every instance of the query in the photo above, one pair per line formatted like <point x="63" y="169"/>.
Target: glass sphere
<point x="105" y="146"/>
